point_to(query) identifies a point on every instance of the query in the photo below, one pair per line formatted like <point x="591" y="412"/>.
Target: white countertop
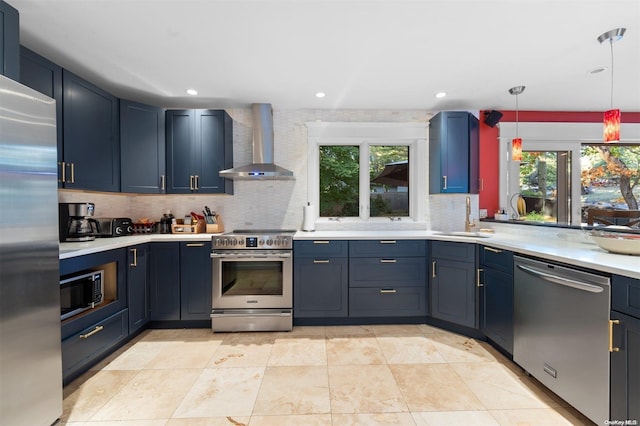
<point x="563" y="245"/>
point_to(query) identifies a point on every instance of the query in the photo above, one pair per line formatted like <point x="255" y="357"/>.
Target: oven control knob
<point x="270" y="242"/>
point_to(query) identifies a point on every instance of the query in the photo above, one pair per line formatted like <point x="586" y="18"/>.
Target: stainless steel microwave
<point x="79" y="293"/>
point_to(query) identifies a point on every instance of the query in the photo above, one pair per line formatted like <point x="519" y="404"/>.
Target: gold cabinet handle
<point x="444" y="179"/>
<point x="388" y="261"/>
<point x="98" y="329"/>
<point x="388" y="290"/>
<point x="191" y="182"/>
<point x="135" y="257"/>
<point x="320" y="261"/>
<point x="478" y="283"/>
<point x="196" y="180"/>
<point x="321" y="242"/>
<point x="73" y="173"/>
<point x="491" y="249"/>
<point x="162" y="182"/>
<point x="611" y="324"/>
<point x="387" y="241"/>
<point x="63" y="172"/>
<point x="433" y="269"/>
<point x="195" y="244"/>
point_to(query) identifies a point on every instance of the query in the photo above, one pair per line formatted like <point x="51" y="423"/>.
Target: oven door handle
<point x="250" y="256"/>
<point x="252" y="314"/>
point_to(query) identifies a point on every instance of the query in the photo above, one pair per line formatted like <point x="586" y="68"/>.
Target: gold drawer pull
<point x="387" y="241"/>
<point x="493" y="250"/>
<point x="388" y="261"/>
<point x="320" y="261"/>
<point x="478" y="271"/>
<point x="611" y="324"/>
<point x="433" y="269"/>
<point x="134" y="252"/>
<point x="388" y="290"/>
<point x="98" y="329"/>
<point x="321" y="242"/>
<point x="195" y="244"/>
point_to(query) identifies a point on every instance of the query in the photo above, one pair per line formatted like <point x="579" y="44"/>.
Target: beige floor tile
<point x="137" y="356"/>
<point x="538" y="417"/>
<point x="499" y="388"/>
<point x="185" y="354"/>
<point x="375" y="419"/>
<point x="364" y="389"/>
<point x="457" y="348"/>
<point x="162" y="335"/>
<point x="155" y="422"/>
<point x="292" y="351"/>
<point x="315" y="330"/>
<point x="355" y="350"/>
<point x="434" y="387"/>
<point x="397" y="330"/>
<point x="221" y="392"/>
<point x="243" y="351"/>
<point x="211" y="421"/>
<point x="348" y="330"/>
<point x="455" y="418"/>
<point x="303" y="420"/>
<point x="293" y="390"/>
<point x="151" y="394"/>
<point x="88" y="394"/>
<point x="409" y="350"/>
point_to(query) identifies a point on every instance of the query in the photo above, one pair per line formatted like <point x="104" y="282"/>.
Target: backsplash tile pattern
<point x="270" y="204"/>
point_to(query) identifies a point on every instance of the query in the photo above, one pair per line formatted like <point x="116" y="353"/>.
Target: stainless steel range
<point x="252" y="280"/>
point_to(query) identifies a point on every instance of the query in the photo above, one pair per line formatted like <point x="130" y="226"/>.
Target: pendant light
<point x="516" y="144"/>
<point x="612" y="117"/>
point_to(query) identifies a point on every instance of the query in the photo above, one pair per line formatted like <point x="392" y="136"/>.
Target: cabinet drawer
<point x="465" y="252"/>
<point x="499" y="259"/>
<point x="625" y="295"/>
<point x="387" y="247"/>
<point x="82" y="348"/>
<point x="387" y="301"/>
<point x="321" y="248"/>
<point x="387" y="271"/>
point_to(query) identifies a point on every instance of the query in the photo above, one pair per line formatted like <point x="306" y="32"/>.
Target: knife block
<point x="215" y="228"/>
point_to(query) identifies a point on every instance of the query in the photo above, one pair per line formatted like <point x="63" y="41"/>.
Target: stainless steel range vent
<point x="263" y="166"/>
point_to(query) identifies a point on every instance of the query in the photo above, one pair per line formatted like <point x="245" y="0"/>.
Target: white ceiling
<point x="376" y="54"/>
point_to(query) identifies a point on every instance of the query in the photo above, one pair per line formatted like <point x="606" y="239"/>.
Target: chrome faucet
<point x="468" y="225"/>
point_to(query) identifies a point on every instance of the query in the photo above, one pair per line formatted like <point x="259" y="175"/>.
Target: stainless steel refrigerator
<point x="30" y="354"/>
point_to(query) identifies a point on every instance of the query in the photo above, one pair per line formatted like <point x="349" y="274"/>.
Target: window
<point x="562" y="164"/>
<point x="370" y="175"/>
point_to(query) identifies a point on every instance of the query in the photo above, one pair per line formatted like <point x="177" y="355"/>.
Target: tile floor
<point x="350" y="375"/>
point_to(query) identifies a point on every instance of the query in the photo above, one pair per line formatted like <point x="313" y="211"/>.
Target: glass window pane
<point x="389" y="181"/>
<point x="339" y="181"/>
<point x="544" y="187"/>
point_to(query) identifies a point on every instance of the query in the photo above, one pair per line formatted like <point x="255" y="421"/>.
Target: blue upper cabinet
<point x="142" y="148"/>
<point x="453" y="153"/>
<point x="9" y="41"/>
<point x="46" y="77"/>
<point x="91" y="136"/>
<point x="199" y="145"/>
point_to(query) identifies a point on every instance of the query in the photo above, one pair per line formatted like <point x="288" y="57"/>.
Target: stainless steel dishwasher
<point x="561" y="332"/>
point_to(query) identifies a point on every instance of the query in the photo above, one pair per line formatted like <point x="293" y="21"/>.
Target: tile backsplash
<point x="270" y="203"/>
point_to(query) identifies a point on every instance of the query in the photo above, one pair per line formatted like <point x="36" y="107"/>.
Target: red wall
<point x="489" y="147"/>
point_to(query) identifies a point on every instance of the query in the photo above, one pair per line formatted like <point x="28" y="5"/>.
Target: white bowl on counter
<point x="617" y="242"/>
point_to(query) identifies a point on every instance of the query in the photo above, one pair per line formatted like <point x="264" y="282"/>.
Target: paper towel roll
<point x="308" y="218"/>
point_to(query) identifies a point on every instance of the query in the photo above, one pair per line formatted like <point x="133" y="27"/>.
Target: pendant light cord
<point x="517" y="115"/>
<point x="610" y="44"/>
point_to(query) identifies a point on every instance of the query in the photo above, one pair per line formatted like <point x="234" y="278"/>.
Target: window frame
<point x="365" y="135"/>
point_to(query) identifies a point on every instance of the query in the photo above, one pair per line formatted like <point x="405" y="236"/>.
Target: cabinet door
<point x="453" y="291"/>
<point x="91" y="137"/>
<point x="138" y="286"/>
<point x="387" y="302"/>
<point x="46" y="77"/>
<point x="142" y="158"/>
<point x="164" y="281"/>
<point x="496" y="307"/>
<point x="180" y="134"/>
<point x="320" y="287"/>
<point x="209" y="152"/>
<point x="195" y="280"/>
<point x="625" y="368"/>
<point x="9" y="41"/>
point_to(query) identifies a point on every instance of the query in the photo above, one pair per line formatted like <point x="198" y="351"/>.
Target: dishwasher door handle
<point x="561" y="280"/>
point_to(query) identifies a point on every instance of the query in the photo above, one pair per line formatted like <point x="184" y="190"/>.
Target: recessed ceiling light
<point x="441" y="95"/>
<point x="192" y="92"/>
<point x="320" y="95"/>
<point x="597" y="70"/>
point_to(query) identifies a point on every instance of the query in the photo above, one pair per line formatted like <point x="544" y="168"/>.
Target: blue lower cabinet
<point x="453" y="291"/>
<point x="387" y="301"/>
<point x="195" y="280"/>
<point x="138" y="286"/>
<point x="625" y="368"/>
<point x="83" y="349"/>
<point x="384" y="271"/>
<point x="320" y="287"/>
<point x="164" y="281"/>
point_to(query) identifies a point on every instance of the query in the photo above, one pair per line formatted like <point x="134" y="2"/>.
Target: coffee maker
<point x="76" y="223"/>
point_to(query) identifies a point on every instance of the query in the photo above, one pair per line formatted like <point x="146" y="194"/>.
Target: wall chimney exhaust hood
<point x="262" y="167"/>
